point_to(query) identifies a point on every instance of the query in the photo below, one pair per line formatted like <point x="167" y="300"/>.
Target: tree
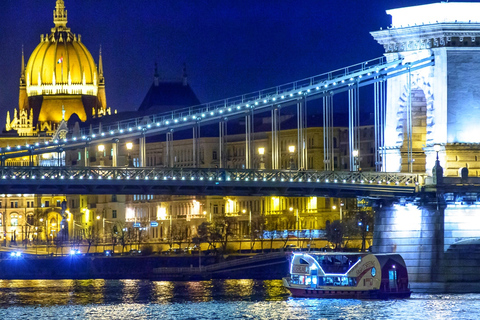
<point x="58" y="242"/>
<point x="258" y="227"/>
<point x="203" y="234"/>
<point x="353" y="226"/>
<point x="90" y="236"/>
<point x="179" y="233"/>
<point x="335" y="233"/>
<point x="119" y="233"/>
<point x="363" y="223"/>
<point x="223" y="228"/>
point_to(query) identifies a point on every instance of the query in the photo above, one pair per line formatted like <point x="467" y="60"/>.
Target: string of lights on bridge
<point x="320" y="86"/>
<point x="214" y="175"/>
<point x="373" y="70"/>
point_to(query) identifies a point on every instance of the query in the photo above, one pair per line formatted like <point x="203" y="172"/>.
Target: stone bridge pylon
<point x="436" y="105"/>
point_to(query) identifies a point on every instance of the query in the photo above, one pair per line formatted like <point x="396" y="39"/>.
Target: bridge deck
<point x="93" y="180"/>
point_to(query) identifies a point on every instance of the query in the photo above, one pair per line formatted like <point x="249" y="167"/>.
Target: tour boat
<point x="347" y="275"/>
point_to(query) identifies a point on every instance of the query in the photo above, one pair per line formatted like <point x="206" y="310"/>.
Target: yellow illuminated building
<point x="60" y="81"/>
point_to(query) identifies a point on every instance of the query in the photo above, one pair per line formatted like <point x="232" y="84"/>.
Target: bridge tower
<point x="440" y="104"/>
<point x="428" y="110"/>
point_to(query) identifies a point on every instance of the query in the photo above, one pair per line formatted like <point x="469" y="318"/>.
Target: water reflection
<point x="216" y="299"/>
<point x="98" y="291"/>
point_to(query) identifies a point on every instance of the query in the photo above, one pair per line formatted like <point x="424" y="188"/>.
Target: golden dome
<point x="61" y="59"/>
<point x="61" y="78"/>
<point x="61" y="64"/>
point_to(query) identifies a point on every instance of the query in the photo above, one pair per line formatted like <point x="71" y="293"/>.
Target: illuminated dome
<point x="60" y="80"/>
<point x="61" y="64"/>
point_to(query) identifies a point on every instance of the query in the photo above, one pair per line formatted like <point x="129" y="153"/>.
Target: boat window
<point x="302" y="261"/>
<point x="392" y="278"/>
<point x="337" y="281"/>
<point x="337" y="263"/>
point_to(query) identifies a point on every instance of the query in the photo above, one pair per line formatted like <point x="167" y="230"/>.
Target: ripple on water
<point x="218" y="299"/>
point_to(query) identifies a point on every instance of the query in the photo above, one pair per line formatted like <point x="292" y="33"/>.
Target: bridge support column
<point x="248" y="141"/>
<point x="85" y="156"/>
<point x="142" y="151"/>
<point x="30" y="158"/>
<point x="415" y="232"/>
<point x="353" y="130"/>
<point x="222" y="131"/>
<point x="328" y="147"/>
<point x="380" y="120"/>
<point x="169" y="151"/>
<point x="195" y="136"/>
<point x="301" y="123"/>
<point x="275" y="129"/>
<point x="115" y="153"/>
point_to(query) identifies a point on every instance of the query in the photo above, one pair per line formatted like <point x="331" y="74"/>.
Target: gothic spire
<point x="22" y="72"/>
<point x="60" y="15"/>
<point x="100" y="64"/>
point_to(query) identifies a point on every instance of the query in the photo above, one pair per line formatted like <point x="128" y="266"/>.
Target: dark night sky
<point x="230" y="47"/>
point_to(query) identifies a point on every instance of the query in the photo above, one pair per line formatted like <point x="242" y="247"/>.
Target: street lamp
<point x="45" y="230"/>
<point x="355" y="160"/>
<point x="261" y="152"/>
<point x="98" y="218"/>
<point x="129" y="146"/>
<point x="291" y="149"/>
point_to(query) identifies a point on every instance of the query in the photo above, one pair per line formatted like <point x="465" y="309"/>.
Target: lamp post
<point x="98" y="218"/>
<point x="103" y="227"/>
<point x="298" y="225"/>
<point x="250" y="223"/>
<point x="296" y="222"/>
<point x="261" y="152"/>
<point x="45" y="230"/>
<point x="355" y="160"/>
<point x="341" y="210"/>
<point x="291" y="150"/>
<point x="129" y="146"/>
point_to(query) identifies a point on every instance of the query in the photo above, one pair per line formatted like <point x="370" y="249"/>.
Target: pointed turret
<point x="22" y="96"/>
<point x="22" y="74"/>
<point x="100" y="65"/>
<point x="7" y="125"/>
<point x="60" y="15"/>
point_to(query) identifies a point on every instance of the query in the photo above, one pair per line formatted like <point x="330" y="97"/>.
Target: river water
<point x="217" y="299"/>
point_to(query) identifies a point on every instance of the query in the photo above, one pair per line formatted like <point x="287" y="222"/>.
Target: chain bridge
<point x="303" y="181"/>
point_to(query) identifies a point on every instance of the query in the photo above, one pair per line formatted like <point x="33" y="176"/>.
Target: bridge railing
<point x="213" y="175"/>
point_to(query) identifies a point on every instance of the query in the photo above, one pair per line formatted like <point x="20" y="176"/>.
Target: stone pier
<point x="417" y="233"/>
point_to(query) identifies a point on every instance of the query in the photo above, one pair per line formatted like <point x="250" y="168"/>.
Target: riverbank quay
<point x="155" y="267"/>
<point x="191" y="267"/>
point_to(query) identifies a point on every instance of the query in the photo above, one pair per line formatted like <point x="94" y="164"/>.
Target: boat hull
<point x="352" y="294"/>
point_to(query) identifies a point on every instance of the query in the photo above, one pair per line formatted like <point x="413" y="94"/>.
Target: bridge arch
<point x="422" y="121"/>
